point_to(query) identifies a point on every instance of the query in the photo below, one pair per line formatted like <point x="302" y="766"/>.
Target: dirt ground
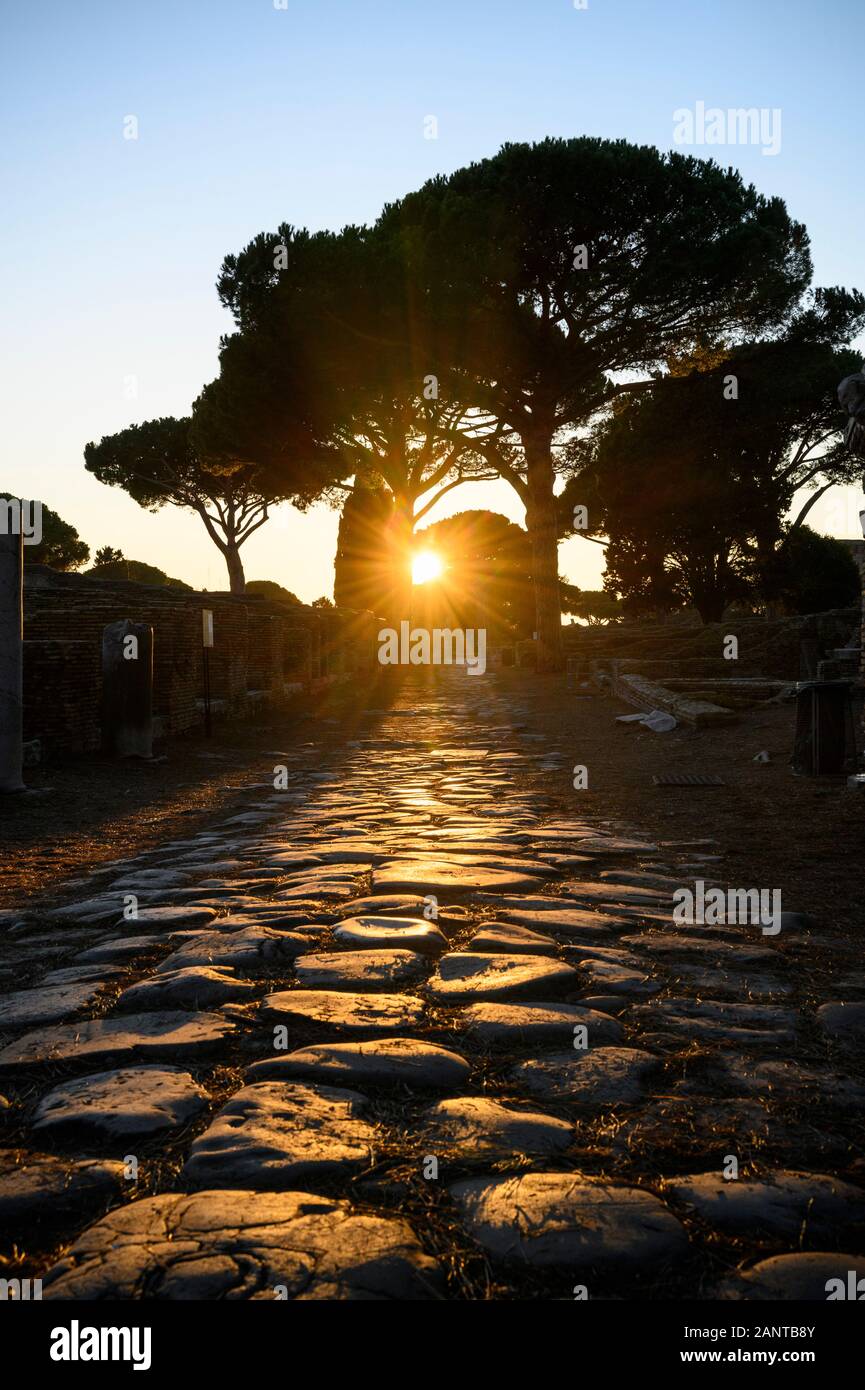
<point x="805" y="836"/>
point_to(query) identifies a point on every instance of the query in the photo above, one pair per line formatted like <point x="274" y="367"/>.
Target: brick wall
<point x="62" y="693"/>
<point x="260" y="646"/>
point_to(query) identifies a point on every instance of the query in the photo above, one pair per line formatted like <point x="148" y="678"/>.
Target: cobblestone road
<point x="411" y="1026"/>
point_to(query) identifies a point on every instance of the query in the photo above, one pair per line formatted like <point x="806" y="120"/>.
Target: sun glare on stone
<point x="425" y="566"/>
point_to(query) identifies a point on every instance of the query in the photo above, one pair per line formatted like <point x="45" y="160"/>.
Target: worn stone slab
<point x="463" y="977"/>
<point x="241" y="950"/>
<point x="274" y="1134"/>
<point x="129" y="1101"/>
<point x="538" y="1022"/>
<point x="166" y="1035"/>
<point x="41" y="1195"/>
<point x="502" y="939"/>
<point x="309" y="923"/>
<point x="614" y="894"/>
<point x="790" y="1081"/>
<point x="317" y="892"/>
<point x="99" y="909"/>
<point x="362" y="853"/>
<point x="576" y="951"/>
<point x="713" y="980"/>
<point x="477" y="851"/>
<point x="384" y="905"/>
<point x="382" y="1062"/>
<point x="245" y="1245"/>
<point x="595" y="1076"/>
<point x="475" y="1127"/>
<point x="122" y="949"/>
<point x="355" y="970"/>
<point x="26" y="1008"/>
<point x="809" y="1278"/>
<point x="560" y="1220"/>
<point x="191" y="987"/>
<point x="755" y="1025"/>
<point x="676" y="1125"/>
<point x="170" y="917"/>
<point x="350" y="1013"/>
<point x="288" y="859"/>
<point x="614" y="1004"/>
<point x="562" y="862"/>
<point x="601" y="846"/>
<point x="150" y="878"/>
<point x="614" y="978"/>
<point x="643" y="879"/>
<point x="669" y="945"/>
<point x="509" y="860"/>
<point x="806" y="1206"/>
<point x="83" y="974"/>
<point x="386" y="933"/>
<point x="843" y="1022"/>
<point x="559" y="919"/>
<point x="444" y="876"/>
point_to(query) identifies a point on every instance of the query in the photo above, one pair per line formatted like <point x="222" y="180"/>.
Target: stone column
<point x="11" y="663"/>
<point x="127" y="689"/>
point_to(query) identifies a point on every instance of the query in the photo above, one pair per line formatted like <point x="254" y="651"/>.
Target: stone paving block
<point x="42" y="1195"/>
<point x="391" y="933"/>
<point x="473" y="1127"/>
<point x="537" y="1023"/>
<point x="809" y="1278"/>
<point x="562" y="1220"/>
<point x="246" y="950"/>
<point x="26" y="1008"/>
<point x="190" y="987"/>
<point x="350" y="1013"/>
<point x="129" y="1101"/>
<point x="443" y="876"/>
<point x="804" y="1206"/>
<point x="354" y="970"/>
<point x="598" y="1076"/>
<point x="245" y="1245"/>
<point x="274" y="1134"/>
<point x="463" y="977"/>
<point x="166" y="1035"/>
<point x="382" y="1062"/>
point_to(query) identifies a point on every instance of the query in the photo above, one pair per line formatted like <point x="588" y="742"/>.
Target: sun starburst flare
<point x="426" y="565"/>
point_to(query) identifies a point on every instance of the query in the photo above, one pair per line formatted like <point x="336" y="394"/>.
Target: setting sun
<point x="425" y="566"/>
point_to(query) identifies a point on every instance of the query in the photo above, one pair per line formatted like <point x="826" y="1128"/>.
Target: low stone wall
<point x="264" y="653"/>
<point x="783" y="649"/>
<point x="645" y="695"/>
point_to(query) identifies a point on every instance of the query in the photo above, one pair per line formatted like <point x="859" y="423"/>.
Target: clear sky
<point x="313" y="113"/>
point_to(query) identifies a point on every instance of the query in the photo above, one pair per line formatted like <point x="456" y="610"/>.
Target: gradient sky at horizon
<point x="314" y="114"/>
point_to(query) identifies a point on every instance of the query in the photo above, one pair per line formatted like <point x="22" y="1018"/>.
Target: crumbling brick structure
<point x="264" y="652"/>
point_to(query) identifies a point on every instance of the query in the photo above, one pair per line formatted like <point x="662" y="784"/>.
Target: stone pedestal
<point x="11" y="663"/>
<point x="127" y="689"/>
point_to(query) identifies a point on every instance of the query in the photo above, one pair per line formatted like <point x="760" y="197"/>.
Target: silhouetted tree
<point x="813" y="573"/>
<point x="555" y="268"/>
<point x="158" y="463"/>
<point x="596" y="606"/>
<point x="61" y="547"/>
<point x="487" y="576"/>
<point x="269" y="589"/>
<point x="363" y="571"/>
<point x="693" y="481"/>
<point x="333" y="311"/>
<point x="106" y="555"/>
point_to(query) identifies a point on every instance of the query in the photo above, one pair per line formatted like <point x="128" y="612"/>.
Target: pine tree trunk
<point x="542" y="526"/>
<point x="400" y="537"/>
<point x="236" y="576"/>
